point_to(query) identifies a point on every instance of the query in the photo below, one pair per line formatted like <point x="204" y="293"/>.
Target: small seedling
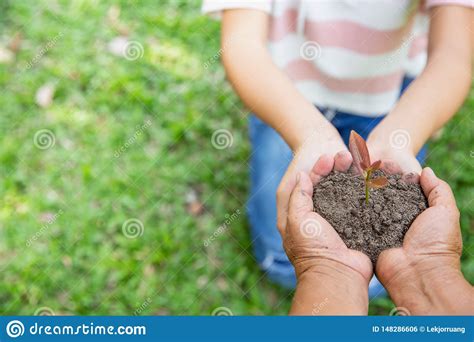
<point x="361" y="159"/>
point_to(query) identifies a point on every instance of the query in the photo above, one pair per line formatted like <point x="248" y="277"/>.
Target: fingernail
<point x="430" y="170"/>
<point x="298" y="177"/>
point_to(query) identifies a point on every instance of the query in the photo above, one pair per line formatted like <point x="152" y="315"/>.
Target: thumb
<point x="301" y="201"/>
<point x="437" y="191"/>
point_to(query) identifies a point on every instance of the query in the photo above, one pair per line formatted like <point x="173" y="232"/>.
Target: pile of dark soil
<point x="372" y="227"/>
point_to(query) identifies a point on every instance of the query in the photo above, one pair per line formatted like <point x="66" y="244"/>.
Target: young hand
<point x="332" y="279"/>
<point x="423" y="276"/>
<point x="326" y="141"/>
<point x="396" y="154"/>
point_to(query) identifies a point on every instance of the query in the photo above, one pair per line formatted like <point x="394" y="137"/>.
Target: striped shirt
<point x="350" y="55"/>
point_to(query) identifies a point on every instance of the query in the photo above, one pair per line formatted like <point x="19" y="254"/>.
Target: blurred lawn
<point x="133" y="140"/>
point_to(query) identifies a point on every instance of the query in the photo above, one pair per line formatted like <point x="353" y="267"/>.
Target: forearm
<point x="273" y="97"/>
<point x="264" y="88"/>
<point x="433" y="290"/>
<point x="330" y="290"/>
<point x="431" y="100"/>
<point x="435" y="96"/>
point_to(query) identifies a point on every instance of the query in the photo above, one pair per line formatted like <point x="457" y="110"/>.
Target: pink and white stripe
<point x="364" y="48"/>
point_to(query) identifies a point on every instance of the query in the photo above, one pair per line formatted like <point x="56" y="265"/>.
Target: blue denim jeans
<point x="269" y="161"/>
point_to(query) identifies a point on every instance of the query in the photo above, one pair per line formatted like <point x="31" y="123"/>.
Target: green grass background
<point x="82" y="263"/>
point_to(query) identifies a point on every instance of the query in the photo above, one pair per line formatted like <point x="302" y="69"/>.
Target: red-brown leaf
<point x="375" y="165"/>
<point x="378" y="183"/>
<point x="359" y="151"/>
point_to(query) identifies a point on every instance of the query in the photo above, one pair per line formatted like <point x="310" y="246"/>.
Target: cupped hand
<point x="404" y="159"/>
<point x="395" y="149"/>
<point x="327" y="142"/>
<point x="433" y="238"/>
<point x="423" y="276"/>
<point x="309" y="240"/>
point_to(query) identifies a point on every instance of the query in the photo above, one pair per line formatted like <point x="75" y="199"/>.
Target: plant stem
<point x="366" y="193"/>
<point x="367" y="178"/>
